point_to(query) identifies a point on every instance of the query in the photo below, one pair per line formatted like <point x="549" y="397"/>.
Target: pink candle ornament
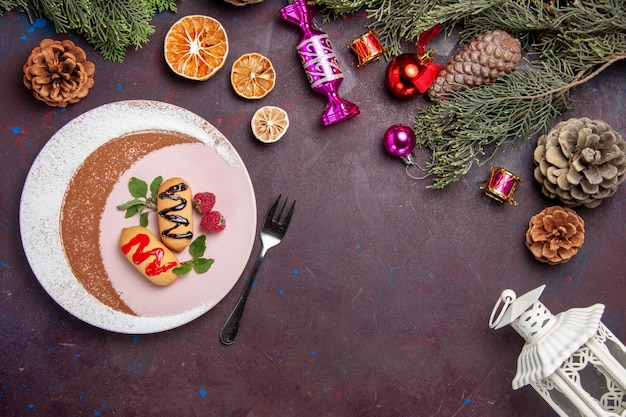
<point x="319" y="62"/>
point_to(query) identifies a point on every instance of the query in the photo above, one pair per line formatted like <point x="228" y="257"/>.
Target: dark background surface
<point x="376" y="303"/>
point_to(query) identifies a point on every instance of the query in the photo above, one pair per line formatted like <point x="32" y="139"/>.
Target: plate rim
<point x="44" y="219"/>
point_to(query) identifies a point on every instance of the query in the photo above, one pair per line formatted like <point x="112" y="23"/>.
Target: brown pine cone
<point x="58" y="73"/>
<point x="581" y="162"/>
<point x="482" y="61"/>
<point x="555" y="235"/>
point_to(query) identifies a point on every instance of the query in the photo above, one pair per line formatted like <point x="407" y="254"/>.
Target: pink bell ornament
<point x="572" y="360"/>
<point x="399" y="141"/>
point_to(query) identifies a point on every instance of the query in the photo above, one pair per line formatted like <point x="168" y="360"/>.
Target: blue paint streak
<point x="16" y="129"/>
<point x="118" y="86"/>
<point x="136" y="339"/>
<point x="202" y="393"/>
<point x="467" y="401"/>
<point x="296" y="272"/>
<point x="31" y="406"/>
<point x="281" y="292"/>
<point x="23" y="37"/>
<point x="314" y="352"/>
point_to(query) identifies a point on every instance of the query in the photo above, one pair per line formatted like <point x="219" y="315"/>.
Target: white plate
<point x="211" y="164"/>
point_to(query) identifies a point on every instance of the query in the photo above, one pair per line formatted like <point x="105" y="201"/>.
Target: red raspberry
<point x="203" y="202"/>
<point x="213" y="222"/>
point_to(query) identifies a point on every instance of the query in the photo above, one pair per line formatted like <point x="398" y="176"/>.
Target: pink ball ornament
<point x="399" y="140"/>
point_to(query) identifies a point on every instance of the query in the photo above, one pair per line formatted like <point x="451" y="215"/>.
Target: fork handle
<point x="231" y="327"/>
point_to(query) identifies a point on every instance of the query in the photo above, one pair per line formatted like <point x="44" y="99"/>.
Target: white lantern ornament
<point x="572" y="360"/>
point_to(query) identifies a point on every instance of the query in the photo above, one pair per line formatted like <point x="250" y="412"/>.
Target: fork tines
<point x="289" y="213"/>
<point x="272" y="212"/>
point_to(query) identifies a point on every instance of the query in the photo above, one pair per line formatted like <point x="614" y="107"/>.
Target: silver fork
<point x="272" y="233"/>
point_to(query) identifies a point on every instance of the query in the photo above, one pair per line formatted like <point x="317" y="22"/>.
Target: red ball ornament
<point x="409" y="75"/>
<point x="401" y="73"/>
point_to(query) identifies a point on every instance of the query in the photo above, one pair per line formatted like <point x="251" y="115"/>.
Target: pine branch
<point x="393" y="19"/>
<point x="119" y="24"/>
<point x="164" y="5"/>
<point x="110" y="26"/>
<point x="472" y="125"/>
<point x="6" y="5"/>
<point x="53" y="11"/>
<point x="570" y="41"/>
<point x="336" y="9"/>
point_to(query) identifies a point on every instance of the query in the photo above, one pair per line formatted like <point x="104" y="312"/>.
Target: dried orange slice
<point x="196" y="47"/>
<point x="269" y="123"/>
<point x="252" y="76"/>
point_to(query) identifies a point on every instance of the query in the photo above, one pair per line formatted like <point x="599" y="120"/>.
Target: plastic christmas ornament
<point x="401" y="73"/>
<point x="410" y="75"/>
<point x="399" y="141"/>
<point x="367" y="48"/>
<point x="501" y="185"/>
<point x="320" y="63"/>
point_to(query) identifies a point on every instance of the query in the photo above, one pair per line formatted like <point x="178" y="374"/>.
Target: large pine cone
<point x="555" y="235"/>
<point x="482" y="61"/>
<point x="580" y="161"/>
<point x="58" y="73"/>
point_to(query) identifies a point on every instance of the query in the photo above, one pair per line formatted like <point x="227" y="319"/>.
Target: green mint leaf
<point x="138" y="188"/>
<point x="143" y="219"/>
<point x="128" y="204"/>
<point x="154" y="185"/>
<point x="201" y="265"/>
<point x="141" y="204"/>
<point x="198" y="246"/>
<point x="183" y="269"/>
<point x="131" y="211"/>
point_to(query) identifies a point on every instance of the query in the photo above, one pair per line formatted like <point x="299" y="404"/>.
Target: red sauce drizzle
<point x="153" y="268"/>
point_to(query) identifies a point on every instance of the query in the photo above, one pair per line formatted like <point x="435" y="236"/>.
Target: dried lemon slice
<point x="269" y="123"/>
<point x="252" y="76"/>
<point x="196" y="47"/>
